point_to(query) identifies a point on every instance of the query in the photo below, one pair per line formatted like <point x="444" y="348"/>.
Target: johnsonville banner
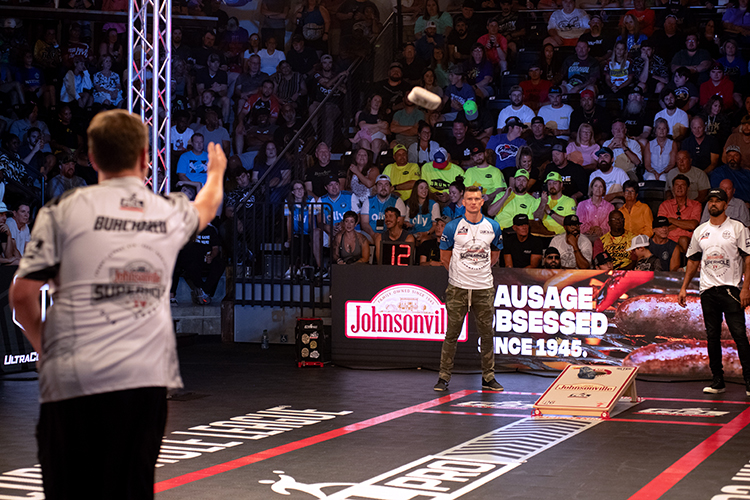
<point x="544" y="319"/>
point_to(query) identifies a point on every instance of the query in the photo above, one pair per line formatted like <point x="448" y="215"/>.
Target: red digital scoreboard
<point x="397" y="253"/>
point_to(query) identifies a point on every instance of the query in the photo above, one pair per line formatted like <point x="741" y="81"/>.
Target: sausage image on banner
<point x="652" y="316"/>
<point x="687" y="357"/>
<point x="618" y="283"/>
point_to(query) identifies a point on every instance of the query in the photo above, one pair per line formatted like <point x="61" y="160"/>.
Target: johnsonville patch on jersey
<point x="136" y="287"/>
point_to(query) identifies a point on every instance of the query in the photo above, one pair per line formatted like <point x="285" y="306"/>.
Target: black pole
<point x="399" y="24"/>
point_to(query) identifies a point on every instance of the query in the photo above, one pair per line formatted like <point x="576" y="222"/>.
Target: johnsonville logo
<point x="399" y="312"/>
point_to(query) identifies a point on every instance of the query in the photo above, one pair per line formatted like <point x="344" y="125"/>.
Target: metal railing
<point x="272" y="266"/>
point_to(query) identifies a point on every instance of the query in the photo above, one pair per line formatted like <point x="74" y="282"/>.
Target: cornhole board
<point x="571" y="395"/>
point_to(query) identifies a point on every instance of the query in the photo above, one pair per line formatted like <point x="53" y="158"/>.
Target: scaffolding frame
<point x="149" y="81"/>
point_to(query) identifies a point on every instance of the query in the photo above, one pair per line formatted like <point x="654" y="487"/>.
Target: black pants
<point x="192" y="266"/>
<point x="102" y="447"/>
<point x="726" y="300"/>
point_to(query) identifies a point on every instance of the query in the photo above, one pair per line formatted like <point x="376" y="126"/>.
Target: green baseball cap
<point x="522" y="172"/>
<point x="470" y="110"/>
<point x="553" y="176"/>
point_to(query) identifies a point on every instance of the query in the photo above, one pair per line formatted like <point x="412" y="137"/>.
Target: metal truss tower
<point x="149" y="78"/>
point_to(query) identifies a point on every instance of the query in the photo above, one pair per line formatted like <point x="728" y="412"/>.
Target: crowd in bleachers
<point x="588" y="129"/>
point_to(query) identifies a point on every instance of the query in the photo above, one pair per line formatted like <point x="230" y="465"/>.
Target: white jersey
<point x="472" y="245"/>
<point x="721" y="250"/>
<point x="109" y="251"/>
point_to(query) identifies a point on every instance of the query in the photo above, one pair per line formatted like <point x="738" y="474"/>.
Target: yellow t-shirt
<point x="489" y="178"/>
<point x="562" y="207"/>
<point x="399" y="175"/>
<point x="440" y="180"/>
<point x="617" y="247"/>
<point x="516" y="204"/>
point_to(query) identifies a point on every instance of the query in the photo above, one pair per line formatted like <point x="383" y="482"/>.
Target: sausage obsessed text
<point x="547" y="314"/>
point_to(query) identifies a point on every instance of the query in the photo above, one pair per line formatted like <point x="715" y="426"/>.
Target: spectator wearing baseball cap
<point x="660" y="245"/>
<point x="575" y="249"/>
<point x="556" y="115"/>
<point x="739" y="139"/>
<point x="521" y="248"/>
<point x="535" y="88"/>
<point x="517" y="108"/>
<point x="540" y="141"/>
<point x="382" y="199"/>
<point x="551" y="258"/>
<point x="589" y="112"/>
<point x="403" y="174"/>
<point x="736" y="208"/>
<point x="428" y="252"/>
<point x="600" y="45"/>
<point x="460" y="145"/>
<point x="670" y="39"/>
<point x="485" y="175"/>
<point x="457" y="93"/>
<point x="554" y="206"/>
<point x="392" y="89"/>
<point x="732" y="171"/>
<point x="439" y="174"/>
<point x="506" y="145"/>
<point x="340" y="202"/>
<point x="574" y="178"/>
<point x="67" y="178"/>
<point x="478" y="120"/>
<point x="603" y="261"/>
<point x="514" y="201"/>
<point x="645" y="259"/>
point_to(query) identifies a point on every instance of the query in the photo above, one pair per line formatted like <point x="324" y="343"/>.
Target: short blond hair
<point x="116" y="140"/>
